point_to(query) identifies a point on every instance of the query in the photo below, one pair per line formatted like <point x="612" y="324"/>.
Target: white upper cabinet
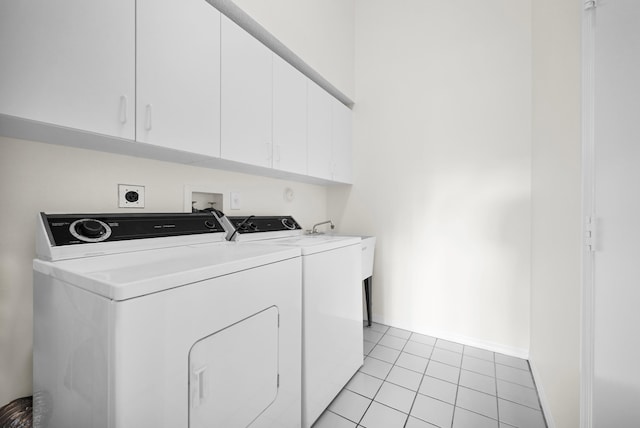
<point x="289" y="118"/>
<point x="178" y="75"/>
<point x="69" y="63"/>
<point x="247" y="86"/>
<point x="319" y="134"/>
<point x="173" y="74"/>
<point x="329" y="136"/>
<point x="341" y="143"/>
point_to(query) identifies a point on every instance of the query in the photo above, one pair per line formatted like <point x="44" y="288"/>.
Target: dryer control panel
<point x="257" y="224"/>
<point x="72" y="229"/>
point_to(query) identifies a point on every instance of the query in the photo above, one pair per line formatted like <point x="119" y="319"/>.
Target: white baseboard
<point x="544" y="402"/>
<point x="465" y="340"/>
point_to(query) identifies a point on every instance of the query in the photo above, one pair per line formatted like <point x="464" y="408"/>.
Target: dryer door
<point x="233" y="373"/>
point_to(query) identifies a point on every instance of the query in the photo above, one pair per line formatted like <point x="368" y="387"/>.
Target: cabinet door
<point x="178" y="75"/>
<point x="341" y="143"/>
<point x="319" y="131"/>
<point x="69" y="63"/>
<point x="246" y="93"/>
<point x="289" y="118"/>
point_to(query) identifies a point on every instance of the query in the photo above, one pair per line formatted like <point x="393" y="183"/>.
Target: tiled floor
<point x="414" y="381"/>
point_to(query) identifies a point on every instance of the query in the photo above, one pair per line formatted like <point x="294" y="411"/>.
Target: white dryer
<point x="153" y="320"/>
<point x="331" y="304"/>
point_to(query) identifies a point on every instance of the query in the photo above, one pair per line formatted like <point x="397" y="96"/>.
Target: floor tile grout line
<point x="411" y="353"/>
<point x="387" y="406"/>
<point x="474" y="389"/>
<point x="495" y="368"/>
<point x="387" y="376"/>
<point x="482" y="414"/>
<point x="544" y="417"/>
<point x="381" y="336"/>
<point x="477" y="413"/>
<point x="477" y="372"/>
<point x="400" y="337"/>
<point x="455" y="401"/>
<point x="384" y="380"/>
<point x="534" y="388"/>
<point x="337" y="414"/>
<point x="420" y="385"/>
<point x="341" y="415"/>
<point x="450" y="365"/>
<point x="435" y="398"/>
<point x="512" y="367"/>
<point x="519" y="404"/>
<point x="371" y="402"/>
<point x="371" y="399"/>
<point x="378" y="359"/>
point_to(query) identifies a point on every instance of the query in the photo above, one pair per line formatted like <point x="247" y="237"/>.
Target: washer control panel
<point x="71" y="229"/>
<point x="90" y="230"/>
<point x="257" y="224"/>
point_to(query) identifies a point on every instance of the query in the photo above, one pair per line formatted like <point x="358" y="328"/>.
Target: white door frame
<point x="589" y="219"/>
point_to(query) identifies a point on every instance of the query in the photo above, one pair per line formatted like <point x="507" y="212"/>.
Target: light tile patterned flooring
<point x="414" y="381"/>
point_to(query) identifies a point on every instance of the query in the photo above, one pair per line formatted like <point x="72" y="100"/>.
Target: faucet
<point x="314" y="229"/>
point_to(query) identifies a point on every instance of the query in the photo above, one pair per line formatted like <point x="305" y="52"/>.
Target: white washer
<point x="331" y="305"/>
<point x="156" y="321"/>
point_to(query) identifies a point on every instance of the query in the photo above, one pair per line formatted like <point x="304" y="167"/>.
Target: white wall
<point x="556" y="215"/>
<point x="442" y="141"/>
<point x="319" y="31"/>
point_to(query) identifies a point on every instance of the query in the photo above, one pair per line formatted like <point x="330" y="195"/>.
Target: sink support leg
<point x="367" y="296"/>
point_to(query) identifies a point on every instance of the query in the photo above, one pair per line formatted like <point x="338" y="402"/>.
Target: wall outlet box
<point x="235" y="200"/>
<point x="130" y="196"/>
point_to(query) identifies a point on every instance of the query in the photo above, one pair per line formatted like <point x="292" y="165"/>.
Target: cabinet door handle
<point x="123" y="109"/>
<point x="148" y="120"/>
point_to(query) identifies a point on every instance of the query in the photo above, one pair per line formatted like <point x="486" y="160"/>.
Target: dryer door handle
<point x="200" y="386"/>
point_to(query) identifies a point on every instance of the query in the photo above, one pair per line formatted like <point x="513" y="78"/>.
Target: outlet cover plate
<point x="130" y="196"/>
<point x="235" y="200"/>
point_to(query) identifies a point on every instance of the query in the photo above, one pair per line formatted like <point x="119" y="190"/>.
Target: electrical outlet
<point x="235" y="200"/>
<point x="130" y="196"/>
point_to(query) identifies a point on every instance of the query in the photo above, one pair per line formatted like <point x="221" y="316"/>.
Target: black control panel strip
<point x="257" y="224"/>
<point x="72" y="229"/>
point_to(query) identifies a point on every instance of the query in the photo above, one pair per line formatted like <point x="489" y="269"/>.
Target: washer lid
<point x="129" y="275"/>
<point x="311" y="244"/>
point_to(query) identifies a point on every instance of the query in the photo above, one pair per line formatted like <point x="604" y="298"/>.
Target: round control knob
<point x="289" y="224"/>
<point x="91" y="229"/>
<point x="209" y="224"/>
